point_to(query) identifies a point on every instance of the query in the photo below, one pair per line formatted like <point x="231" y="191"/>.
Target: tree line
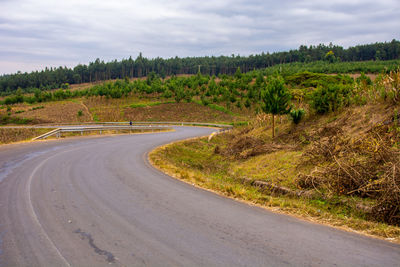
<point x="51" y="78"/>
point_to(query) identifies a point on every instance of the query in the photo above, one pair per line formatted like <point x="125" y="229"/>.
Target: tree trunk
<point x="273" y="126"/>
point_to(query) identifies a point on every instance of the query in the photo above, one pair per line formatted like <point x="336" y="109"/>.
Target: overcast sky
<point x="35" y="34"/>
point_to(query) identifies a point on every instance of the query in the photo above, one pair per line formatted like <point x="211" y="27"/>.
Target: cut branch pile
<point x="367" y="167"/>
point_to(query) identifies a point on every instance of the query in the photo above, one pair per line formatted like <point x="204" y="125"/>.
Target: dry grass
<point x="52" y="112"/>
<point x="278" y="167"/>
<point x="11" y="135"/>
<point x="60" y="112"/>
<point x="109" y="109"/>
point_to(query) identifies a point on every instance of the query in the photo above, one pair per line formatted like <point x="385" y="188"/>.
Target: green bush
<point x="310" y="79"/>
<point x="297" y="115"/>
<point x="65" y="86"/>
<point x="364" y="80"/>
<point x="167" y="94"/>
<point x="204" y="100"/>
<point x="330" y="98"/>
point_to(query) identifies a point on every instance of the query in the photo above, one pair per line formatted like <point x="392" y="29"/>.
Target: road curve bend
<point x="97" y="202"/>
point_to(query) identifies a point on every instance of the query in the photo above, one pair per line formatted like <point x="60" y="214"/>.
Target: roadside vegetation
<point x="11" y="135"/>
<point x="335" y="157"/>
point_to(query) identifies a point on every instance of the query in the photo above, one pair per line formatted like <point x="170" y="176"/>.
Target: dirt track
<point x="97" y="202"/>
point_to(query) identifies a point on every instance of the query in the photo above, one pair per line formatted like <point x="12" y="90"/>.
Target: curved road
<point x="97" y="202"/>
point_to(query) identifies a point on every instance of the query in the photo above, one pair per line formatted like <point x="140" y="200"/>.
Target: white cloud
<point x="68" y="32"/>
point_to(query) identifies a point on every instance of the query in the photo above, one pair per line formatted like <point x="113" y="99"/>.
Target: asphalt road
<point x="97" y="202"/>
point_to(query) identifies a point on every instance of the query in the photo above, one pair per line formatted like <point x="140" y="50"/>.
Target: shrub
<point x="204" y="101"/>
<point x="65" y="86"/>
<point x="330" y="98"/>
<point x="188" y="97"/>
<point x="167" y="94"/>
<point x="364" y="80"/>
<point x="297" y="115"/>
<point x="309" y="79"/>
<point x="247" y="103"/>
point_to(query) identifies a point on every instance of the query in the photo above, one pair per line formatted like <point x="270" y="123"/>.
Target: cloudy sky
<point x="39" y="33"/>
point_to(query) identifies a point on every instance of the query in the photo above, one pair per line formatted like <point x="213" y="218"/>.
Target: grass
<point x="278" y="167"/>
<point x="6" y="119"/>
<point x="36" y="108"/>
<point x="216" y="107"/>
<point x="220" y="108"/>
<point x="149" y="104"/>
<point x="11" y="135"/>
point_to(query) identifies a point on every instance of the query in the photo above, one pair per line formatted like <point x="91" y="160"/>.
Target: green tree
<point x="330" y="56"/>
<point x="276" y="99"/>
<point x="179" y="94"/>
<point x="238" y="73"/>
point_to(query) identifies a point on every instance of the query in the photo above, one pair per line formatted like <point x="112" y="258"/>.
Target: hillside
<point x="340" y="166"/>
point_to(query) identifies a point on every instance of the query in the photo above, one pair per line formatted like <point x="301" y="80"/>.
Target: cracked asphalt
<point x="97" y="202"/>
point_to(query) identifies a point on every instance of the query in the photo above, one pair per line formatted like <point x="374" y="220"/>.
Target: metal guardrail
<point x="145" y="123"/>
<point x="82" y="129"/>
<point x="125" y="126"/>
